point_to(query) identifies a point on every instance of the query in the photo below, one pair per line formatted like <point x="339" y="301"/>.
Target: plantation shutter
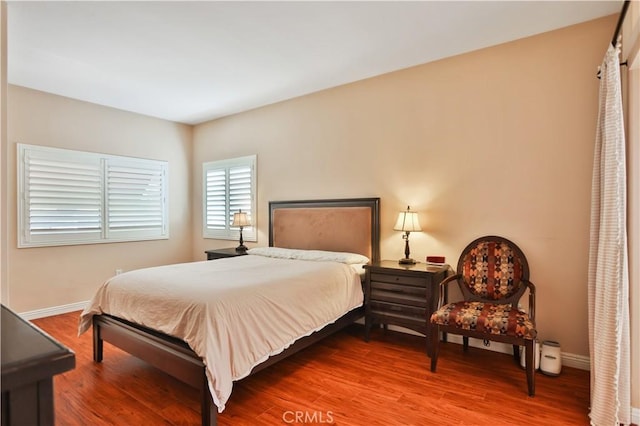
<point x="216" y="199"/>
<point x="240" y="191"/>
<point x="229" y="186"/>
<point x="135" y="197"/>
<point x="63" y="197"/>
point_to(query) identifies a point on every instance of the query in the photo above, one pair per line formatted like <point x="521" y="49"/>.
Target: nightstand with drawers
<point x="402" y="295"/>
<point x="223" y="252"/>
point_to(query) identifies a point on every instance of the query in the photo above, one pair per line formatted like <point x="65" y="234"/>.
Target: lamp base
<point x="241" y="248"/>
<point x="405" y="261"/>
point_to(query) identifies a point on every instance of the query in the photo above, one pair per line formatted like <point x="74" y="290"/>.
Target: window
<point x="228" y="186"/>
<point x="73" y="197"/>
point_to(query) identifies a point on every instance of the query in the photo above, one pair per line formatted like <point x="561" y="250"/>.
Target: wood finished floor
<point x="341" y="380"/>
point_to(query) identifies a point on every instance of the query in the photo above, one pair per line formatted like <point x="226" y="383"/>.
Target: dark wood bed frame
<point x="174" y="357"/>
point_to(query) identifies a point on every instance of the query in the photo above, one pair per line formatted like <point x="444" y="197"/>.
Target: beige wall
<point x="54" y="276"/>
<point x="631" y="53"/>
<point x="496" y="141"/>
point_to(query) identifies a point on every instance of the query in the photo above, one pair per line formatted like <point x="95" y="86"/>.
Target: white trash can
<point x="536" y="357"/>
<point x="550" y="358"/>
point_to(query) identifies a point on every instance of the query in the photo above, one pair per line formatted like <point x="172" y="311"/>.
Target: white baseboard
<point x="568" y="359"/>
<point x="56" y="310"/>
<point x="580" y="362"/>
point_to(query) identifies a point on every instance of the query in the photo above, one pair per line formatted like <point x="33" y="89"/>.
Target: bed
<point x="341" y="225"/>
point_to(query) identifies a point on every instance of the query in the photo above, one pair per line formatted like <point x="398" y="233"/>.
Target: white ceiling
<point x="194" y="61"/>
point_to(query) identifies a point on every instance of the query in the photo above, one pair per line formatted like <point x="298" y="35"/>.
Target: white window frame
<point x="110" y="185"/>
<point x="225" y="231"/>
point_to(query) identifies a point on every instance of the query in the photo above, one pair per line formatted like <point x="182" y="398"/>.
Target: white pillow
<point x="318" y="255"/>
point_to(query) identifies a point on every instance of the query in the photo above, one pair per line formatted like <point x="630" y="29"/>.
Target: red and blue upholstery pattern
<point x="487" y="318"/>
<point x="492" y="270"/>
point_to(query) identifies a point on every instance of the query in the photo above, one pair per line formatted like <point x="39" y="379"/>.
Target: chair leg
<point x="435" y="346"/>
<point x="530" y="366"/>
<point x="465" y="343"/>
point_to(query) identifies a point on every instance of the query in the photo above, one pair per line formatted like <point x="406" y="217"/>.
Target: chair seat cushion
<point x="487" y="318"/>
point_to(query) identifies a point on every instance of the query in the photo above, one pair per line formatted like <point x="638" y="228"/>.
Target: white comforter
<point x="233" y="312"/>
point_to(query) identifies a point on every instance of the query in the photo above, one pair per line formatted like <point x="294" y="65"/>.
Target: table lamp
<point x="241" y="219"/>
<point x="407" y="222"/>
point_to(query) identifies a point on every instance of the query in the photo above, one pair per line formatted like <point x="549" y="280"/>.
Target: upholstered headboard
<point x="347" y="225"/>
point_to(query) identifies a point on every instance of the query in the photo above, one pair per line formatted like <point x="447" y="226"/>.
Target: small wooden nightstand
<point x="403" y="295"/>
<point x="223" y="252"/>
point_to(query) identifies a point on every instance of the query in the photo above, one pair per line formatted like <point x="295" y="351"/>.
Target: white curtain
<point x="608" y="268"/>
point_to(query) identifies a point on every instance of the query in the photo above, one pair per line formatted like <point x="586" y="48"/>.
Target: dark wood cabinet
<point x="402" y="295"/>
<point x="223" y="252"/>
<point x="30" y="359"/>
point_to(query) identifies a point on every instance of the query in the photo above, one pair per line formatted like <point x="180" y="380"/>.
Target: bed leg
<point x="97" y="342"/>
<point x="208" y="409"/>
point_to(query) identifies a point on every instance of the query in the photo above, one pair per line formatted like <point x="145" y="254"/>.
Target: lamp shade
<point x="240" y="219"/>
<point x="407" y="222"/>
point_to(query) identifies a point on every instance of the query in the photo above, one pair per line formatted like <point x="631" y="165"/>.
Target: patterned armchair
<point x="493" y="275"/>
